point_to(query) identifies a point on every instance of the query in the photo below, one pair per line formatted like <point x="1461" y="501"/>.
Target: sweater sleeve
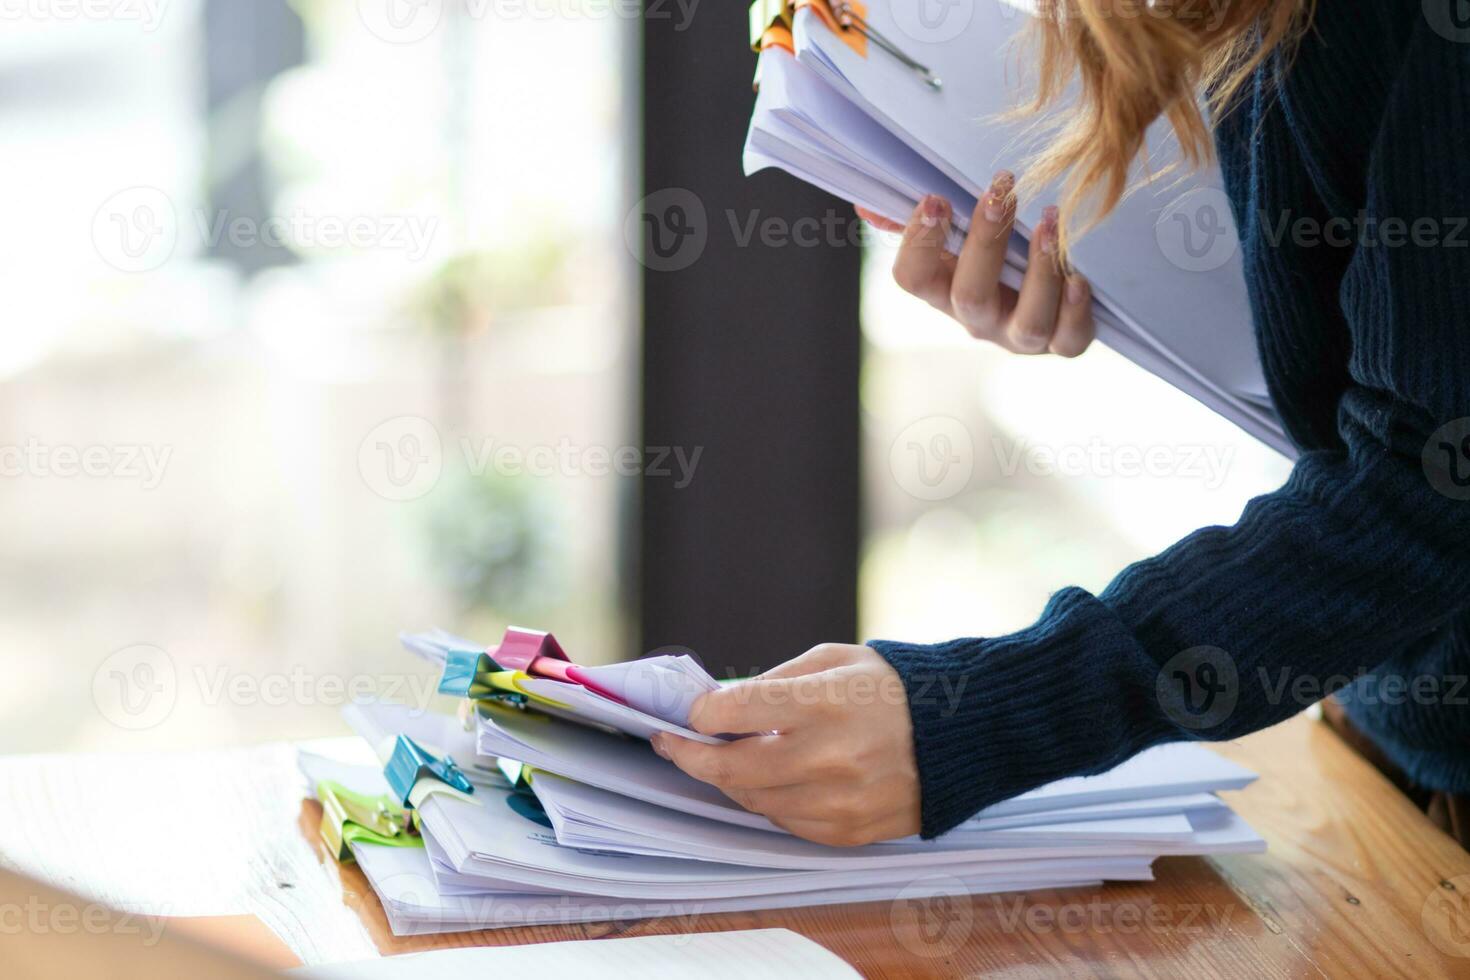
<point x="1363" y="554"/>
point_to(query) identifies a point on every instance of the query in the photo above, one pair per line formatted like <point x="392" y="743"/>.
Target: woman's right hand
<point x="1051" y="312"/>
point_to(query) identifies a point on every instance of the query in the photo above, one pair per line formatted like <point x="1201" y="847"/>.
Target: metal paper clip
<point x="850" y="19"/>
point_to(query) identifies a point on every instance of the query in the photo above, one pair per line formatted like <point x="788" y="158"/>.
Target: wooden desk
<point x="1356" y="882"/>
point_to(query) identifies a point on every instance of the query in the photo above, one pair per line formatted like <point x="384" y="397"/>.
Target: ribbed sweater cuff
<point x="994" y="718"/>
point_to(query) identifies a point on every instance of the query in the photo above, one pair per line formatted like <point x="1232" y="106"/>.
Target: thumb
<point x="747" y="708"/>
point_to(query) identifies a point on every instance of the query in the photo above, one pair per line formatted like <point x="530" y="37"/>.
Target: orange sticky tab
<point x="777" y="36"/>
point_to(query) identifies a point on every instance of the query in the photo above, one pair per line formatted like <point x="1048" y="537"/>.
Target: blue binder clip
<point x="474" y="674"/>
<point x="411" y="762"/>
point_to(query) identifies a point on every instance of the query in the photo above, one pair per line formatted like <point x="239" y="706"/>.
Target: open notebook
<point x="1165" y="268"/>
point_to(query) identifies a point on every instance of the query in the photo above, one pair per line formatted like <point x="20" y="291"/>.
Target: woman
<point x="1357" y="111"/>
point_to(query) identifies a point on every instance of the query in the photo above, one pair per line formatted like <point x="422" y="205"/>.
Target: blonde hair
<point x="1137" y="60"/>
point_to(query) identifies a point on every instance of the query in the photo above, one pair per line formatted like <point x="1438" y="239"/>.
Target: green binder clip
<point x="349" y="818"/>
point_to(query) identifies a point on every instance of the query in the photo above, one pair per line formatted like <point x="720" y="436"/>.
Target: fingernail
<point x="996" y="197"/>
<point x="658" y="746"/>
<point x="1049" y="220"/>
<point x="932" y="211"/>
<point x="1076" y="290"/>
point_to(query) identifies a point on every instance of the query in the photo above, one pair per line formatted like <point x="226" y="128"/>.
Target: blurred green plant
<point x="467" y="293"/>
<point x="494" y="544"/>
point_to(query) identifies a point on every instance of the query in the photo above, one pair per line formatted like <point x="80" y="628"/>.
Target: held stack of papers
<point x="862" y="122"/>
<point x="542" y="802"/>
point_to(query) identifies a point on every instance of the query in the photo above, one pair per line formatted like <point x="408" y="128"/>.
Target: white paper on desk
<point x="700" y="956"/>
<point x="404" y="882"/>
<point x="426" y="879"/>
<point x="494" y="841"/>
<point x="378" y="721"/>
<point x="586" y="817"/>
<point x="359" y="779"/>
<point x="866" y="128"/>
<point x="631" y="769"/>
<point x="590" y="818"/>
<point x="1164" y="770"/>
<point x="610" y="761"/>
<point x="1154" y="806"/>
<point x="1026" y="873"/>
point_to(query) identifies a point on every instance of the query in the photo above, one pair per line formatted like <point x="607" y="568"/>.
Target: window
<point x="318" y="326"/>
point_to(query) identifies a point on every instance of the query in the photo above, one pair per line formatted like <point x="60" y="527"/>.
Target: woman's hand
<point x="1052" y="312"/>
<point x="836" y="764"/>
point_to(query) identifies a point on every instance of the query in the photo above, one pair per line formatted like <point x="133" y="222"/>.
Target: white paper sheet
<point x="697" y="956"/>
<point x="405" y="883"/>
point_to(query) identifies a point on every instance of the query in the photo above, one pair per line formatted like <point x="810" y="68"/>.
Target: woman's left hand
<point x="836" y="764"/>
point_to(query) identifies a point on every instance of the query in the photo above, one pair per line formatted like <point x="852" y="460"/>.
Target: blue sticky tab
<point x="411" y="762"/>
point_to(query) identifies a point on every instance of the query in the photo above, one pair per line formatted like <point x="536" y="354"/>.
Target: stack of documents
<point x="542" y="802"/>
<point x="887" y="110"/>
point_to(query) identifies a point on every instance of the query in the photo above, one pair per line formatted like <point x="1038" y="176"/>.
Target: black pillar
<point x="750" y="356"/>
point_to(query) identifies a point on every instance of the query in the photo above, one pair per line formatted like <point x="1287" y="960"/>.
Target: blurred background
<point x="325" y="319"/>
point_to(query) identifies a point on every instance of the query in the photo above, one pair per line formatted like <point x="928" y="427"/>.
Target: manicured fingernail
<point x="1049" y="220"/>
<point x="932" y="211"/>
<point x="658" y="746"/>
<point x="997" y="197"/>
<point x="1076" y="290"/>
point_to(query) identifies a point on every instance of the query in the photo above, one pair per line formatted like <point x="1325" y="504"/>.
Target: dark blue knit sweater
<point x="1359" y="567"/>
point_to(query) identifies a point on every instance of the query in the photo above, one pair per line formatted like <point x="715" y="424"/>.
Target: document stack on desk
<point x="542" y="802"/>
<point x="878" y="106"/>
